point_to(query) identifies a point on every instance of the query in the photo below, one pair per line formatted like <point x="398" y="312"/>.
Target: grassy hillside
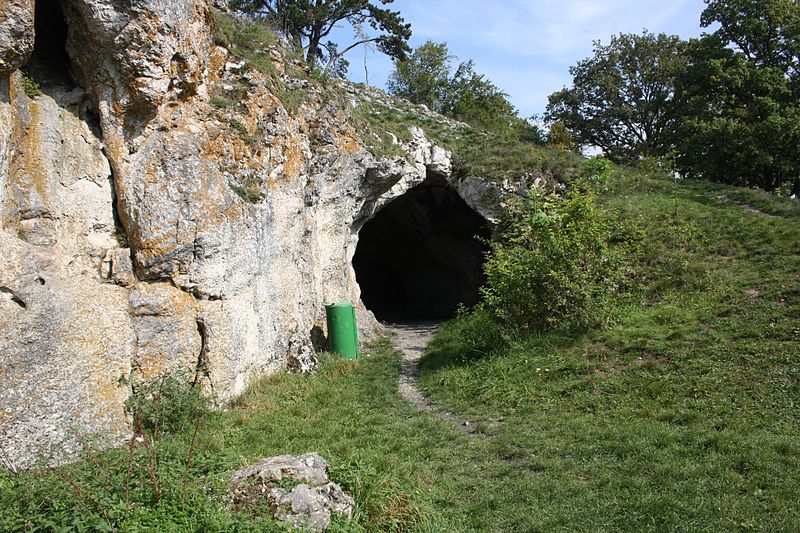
<point x="683" y="416"/>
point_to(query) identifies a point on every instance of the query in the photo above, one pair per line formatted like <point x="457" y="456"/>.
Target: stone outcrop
<point x="16" y="34"/>
<point x="148" y="228"/>
<point x="296" y="489"/>
<point x="66" y="338"/>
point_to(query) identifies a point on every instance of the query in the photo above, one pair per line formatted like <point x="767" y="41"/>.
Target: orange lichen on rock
<point x="294" y="159"/>
<point x="349" y="141"/>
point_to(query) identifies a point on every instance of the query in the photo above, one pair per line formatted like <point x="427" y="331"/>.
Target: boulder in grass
<point x="295" y="490"/>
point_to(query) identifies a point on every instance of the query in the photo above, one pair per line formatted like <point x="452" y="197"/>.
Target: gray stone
<point x="309" y="468"/>
<point x="66" y="337"/>
<point x="16" y="34"/>
<point x="307" y="505"/>
<point x="117" y="267"/>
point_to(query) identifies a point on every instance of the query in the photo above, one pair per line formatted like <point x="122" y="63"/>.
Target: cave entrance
<point x="419" y="258"/>
<point x="49" y="64"/>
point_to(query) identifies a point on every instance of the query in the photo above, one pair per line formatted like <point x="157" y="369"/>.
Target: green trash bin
<point x="342" y="332"/>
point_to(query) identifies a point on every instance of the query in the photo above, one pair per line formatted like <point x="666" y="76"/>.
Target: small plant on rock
<point x="31" y="87"/>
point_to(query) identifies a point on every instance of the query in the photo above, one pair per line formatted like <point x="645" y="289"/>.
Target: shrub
<point x="596" y="171"/>
<point x="250" y="193"/>
<point x="552" y="269"/>
<point x="480" y="334"/>
<point x="167" y="404"/>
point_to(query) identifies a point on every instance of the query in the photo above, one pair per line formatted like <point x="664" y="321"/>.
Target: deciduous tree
<point x="307" y="23"/>
<point x="423" y="77"/>
<point x="740" y="97"/>
<point x="427" y="77"/>
<point x="620" y="99"/>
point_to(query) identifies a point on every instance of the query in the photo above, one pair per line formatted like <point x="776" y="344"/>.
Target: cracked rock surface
<point x="296" y="489"/>
<point x="128" y="247"/>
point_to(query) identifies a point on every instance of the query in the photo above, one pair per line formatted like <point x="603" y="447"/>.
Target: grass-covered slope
<point x="685" y="415"/>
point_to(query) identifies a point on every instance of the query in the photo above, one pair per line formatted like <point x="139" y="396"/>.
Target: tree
<point x="739" y="97"/>
<point x="427" y="77"/>
<point x="621" y="97"/>
<point x="423" y="77"/>
<point x="472" y="98"/>
<point x="306" y="23"/>
<point x="764" y="31"/>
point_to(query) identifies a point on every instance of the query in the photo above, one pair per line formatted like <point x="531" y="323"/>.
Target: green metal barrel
<point x="342" y="332"/>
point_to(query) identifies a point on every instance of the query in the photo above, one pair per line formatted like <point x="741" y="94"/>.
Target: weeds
<point x="249" y="193"/>
<point x="31" y="87"/>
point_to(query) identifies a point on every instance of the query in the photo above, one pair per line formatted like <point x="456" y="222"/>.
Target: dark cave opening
<point x="419" y="258"/>
<point x="49" y="64"/>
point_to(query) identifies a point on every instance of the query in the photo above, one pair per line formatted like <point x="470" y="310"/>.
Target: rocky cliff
<point x="168" y="204"/>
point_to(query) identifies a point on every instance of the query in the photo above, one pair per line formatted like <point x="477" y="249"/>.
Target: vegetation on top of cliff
<point x="495" y="146"/>
<point x="305" y="24"/>
<point x="492" y="155"/>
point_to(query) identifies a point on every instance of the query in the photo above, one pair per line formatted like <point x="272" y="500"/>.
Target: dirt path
<point x="412" y="339"/>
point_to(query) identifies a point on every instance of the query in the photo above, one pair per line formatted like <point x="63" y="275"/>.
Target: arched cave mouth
<point x="420" y="258"/>
<point x="49" y="64"/>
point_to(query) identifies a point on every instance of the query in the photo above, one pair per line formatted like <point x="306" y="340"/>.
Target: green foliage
<point x="621" y="97"/>
<point x="739" y="97"/>
<point x="307" y="22"/>
<point x="167" y="404"/>
<point x="559" y="137"/>
<point x="696" y="381"/>
<point x="552" y="269"/>
<point x="380" y="127"/>
<point x="31" y="87"/>
<point x="473" y="99"/>
<point x="596" y="171"/>
<point x="424" y="77"/>
<point x="247" y="39"/>
<point x="765" y="31"/>
<point x="480" y="334"/>
<point x="427" y="77"/>
<point x="250" y="193"/>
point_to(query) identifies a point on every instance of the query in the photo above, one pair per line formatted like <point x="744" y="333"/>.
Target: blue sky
<point x="527" y="47"/>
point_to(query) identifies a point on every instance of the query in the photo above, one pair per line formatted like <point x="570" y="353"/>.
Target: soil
<point x="412" y="339"/>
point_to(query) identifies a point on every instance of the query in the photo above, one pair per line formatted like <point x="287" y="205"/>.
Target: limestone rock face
<point x="66" y="338"/>
<point x="16" y="34"/>
<point x="147" y="228"/>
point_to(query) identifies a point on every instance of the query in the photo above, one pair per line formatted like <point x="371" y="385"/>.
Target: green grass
<point x="387" y="455"/>
<point x="494" y="155"/>
<point x="682" y="416"/>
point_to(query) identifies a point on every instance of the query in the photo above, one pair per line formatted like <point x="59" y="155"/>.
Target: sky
<point x="525" y="47"/>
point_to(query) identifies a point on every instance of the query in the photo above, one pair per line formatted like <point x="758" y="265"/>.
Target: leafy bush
<point x="552" y="269"/>
<point x="477" y="333"/>
<point x="167" y="404"/>
<point x="596" y="171"/>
